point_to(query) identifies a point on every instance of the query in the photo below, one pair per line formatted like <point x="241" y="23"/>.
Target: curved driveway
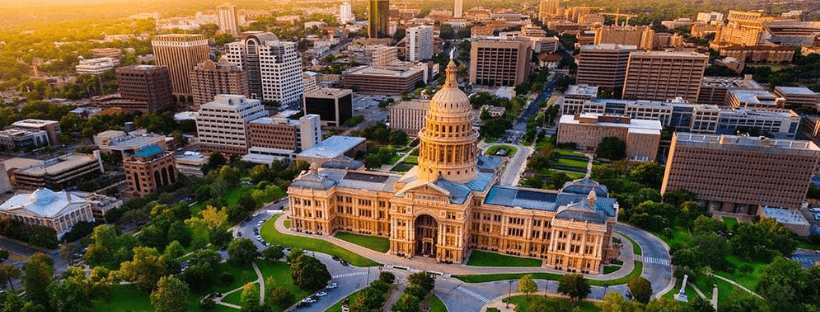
<point x="656" y="260"/>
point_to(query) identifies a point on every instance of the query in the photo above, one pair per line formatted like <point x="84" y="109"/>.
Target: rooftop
<point x="796" y="91"/>
<point x="734" y="142"/>
<point x="135" y="140"/>
<point x="229" y="101"/>
<point x="414" y="103"/>
<point x="730" y="82"/>
<point x="148" y="151"/>
<point x="618" y="121"/>
<point x="329" y="92"/>
<point x="332" y="147"/>
<point x="275" y="120"/>
<point x="582" y="90"/>
<point x="54" y="165"/>
<point x="372" y="71"/>
<point x="43" y="202"/>
<point x="760" y="97"/>
<point x="676" y="54"/>
<point x="33" y="123"/>
<point x="608" y="46"/>
<point x="785" y="216"/>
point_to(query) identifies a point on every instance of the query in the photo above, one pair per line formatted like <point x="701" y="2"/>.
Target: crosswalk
<point x="349" y="274"/>
<point x="473" y="294"/>
<point x="654" y="260"/>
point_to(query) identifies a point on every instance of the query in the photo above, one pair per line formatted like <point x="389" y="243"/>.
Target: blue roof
<point x="517" y="197"/>
<point x="149" y="150"/>
<point x="488" y="163"/>
<point x="333" y="147"/>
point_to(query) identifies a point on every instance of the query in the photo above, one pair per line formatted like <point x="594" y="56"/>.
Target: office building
<point x="450" y="203"/>
<point x="409" y="116"/>
<point x="127" y="143"/>
<point x="56" y="173"/>
<point x="346" y="14"/>
<point x="52" y="127"/>
<point x="149" y="169"/>
<point x="661" y="75"/>
<point x="759" y="54"/>
<point x="678" y="23"/>
<point x="22" y="138"/>
<point x="458" y="8"/>
<point x="209" y="79"/>
<point x="739" y="174"/>
<point x="334" y="106"/>
<point x="743" y="29"/>
<point x="759" y="99"/>
<point x="222" y="125"/>
<point x="549" y="9"/>
<point x="639" y="36"/>
<point x="57" y="210"/>
<point x="273" y="66"/>
<point x="142" y="88"/>
<point x="714" y="90"/>
<point x="498" y="62"/>
<point x="285" y="134"/>
<point x="374" y="80"/>
<point x="420" y="43"/>
<point x="798" y="96"/>
<point x="107" y="52"/>
<point x="228" y="20"/>
<point x="96" y="66"/>
<point x="190" y="163"/>
<point x="378" y="19"/>
<point x="710" y="18"/>
<point x="603" y="65"/>
<point x="180" y="53"/>
<point x="586" y="130"/>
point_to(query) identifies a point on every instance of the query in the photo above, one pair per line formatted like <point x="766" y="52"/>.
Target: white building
<point x="222" y="125"/>
<point x="96" y="66"/>
<point x="274" y="67"/>
<point x="420" y="43"/>
<point x="228" y="19"/>
<point x="20" y="138"/>
<point x="59" y="211"/>
<point x="710" y="18"/>
<point x="346" y="14"/>
<point x="458" y="6"/>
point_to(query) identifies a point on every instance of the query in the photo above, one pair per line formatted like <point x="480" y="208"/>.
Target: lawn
<point x="494" y="149"/>
<point x="570" y="174"/>
<point x="749" y="280"/>
<point x="522" y="304"/>
<point x="491" y="259"/>
<point x="731" y="222"/>
<point x="569" y="153"/>
<point x="481" y="278"/>
<point x="129" y="298"/>
<point x="338" y="306"/>
<point x="636" y="249"/>
<point x="679" y="236"/>
<point x="690" y="292"/>
<point x="274" y="237"/>
<point x="611" y="268"/>
<point x="402" y="167"/>
<point x="395" y="158"/>
<point x="412" y="160"/>
<point x="280" y="271"/>
<point x="566" y="162"/>
<point x="435" y="304"/>
<point x="380" y="244"/>
<point x="725" y="289"/>
<point x="234" y="298"/>
<point x="233" y="195"/>
<point x="287" y="223"/>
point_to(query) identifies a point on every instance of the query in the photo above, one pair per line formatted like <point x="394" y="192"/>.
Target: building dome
<point x="42" y="196"/>
<point x="450" y="99"/>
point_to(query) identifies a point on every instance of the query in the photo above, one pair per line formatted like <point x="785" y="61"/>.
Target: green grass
<point x="611" y="268"/>
<point x="380" y="244"/>
<point x="569" y="153"/>
<point x="338" y="306"/>
<point x="679" y="236"/>
<point x="234" y="298"/>
<point x="402" y="167"/>
<point x="412" y="160"/>
<point x="690" y="292"/>
<point x="435" y="304"/>
<point x="731" y="222"/>
<point x="494" y="149"/>
<point x="233" y="195"/>
<point x="491" y="259"/>
<point x="280" y="271"/>
<point x="523" y="303"/>
<point x="725" y="289"/>
<point x="129" y="298"/>
<point x="481" y="278"/>
<point x="274" y="237"/>
<point x="749" y="280"/>
<point x="566" y="162"/>
<point x="395" y="159"/>
<point x="636" y="249"/>
<point x="287" y="223"/>
<point x="493" y="310"/>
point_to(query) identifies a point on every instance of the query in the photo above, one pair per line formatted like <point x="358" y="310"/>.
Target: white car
<point x="321" y="294"/>
<point x="259" y="238"/>
<point x="255" y="214"/>
<point x="331" y="286"/>
<point x="309" y="300"/>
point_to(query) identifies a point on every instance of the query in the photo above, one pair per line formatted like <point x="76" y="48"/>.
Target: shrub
<point x="226" y="278"/>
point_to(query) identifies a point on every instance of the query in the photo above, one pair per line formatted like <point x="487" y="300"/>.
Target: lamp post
<point x="509" y="294"/>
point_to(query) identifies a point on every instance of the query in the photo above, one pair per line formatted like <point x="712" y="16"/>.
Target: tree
<point x="611" y="148"/>
<point x="614" y="302"/>
<point x="171" y="295"/>
<point x="145" y="269"/>
<point x="72" y="293"/>
<point x="701" y="305"/>
<point x="369" y="299"/>
<point x="293" y="254"/>
<point x="278" y="297"/>
<point x="527" y="285"/>
<point x="416" y="290"/>
<point x="406" y="303"/>
<point x="649" y="174"/>
<point x="38" y="273"/>
<point x="8" y="273"/>
<point x="153" y="236"/>
<point x="274" y="253"/>
<point x="242" y="251"/>
<point x="575" y="286"/>
<point x="250" y="297"/>
<point x="640" y="289"/>
<point x="174" y="250"/>
<point x="387" y="277"/>
<point x="781" y="283"/>
<point x="423" y="279"/>
<point x="309" y="273"/>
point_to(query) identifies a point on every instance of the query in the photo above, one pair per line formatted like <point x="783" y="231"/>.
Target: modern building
<point x="180" y="53"/>
<point x="228" y="20"/>
<point x="57" y="210"/>
<point x="378" y="19"/>
<point x="143" y="88"/>
<point x="740" y="174"/>
<point x="273" y="66"/>
<point x="334" y="106"/>
<point x="222" y="125"/>
<point x="209" y="79"/>
<point x="96" y="66"/>
<point x="56" y="173"/>
<point x="499" y="62"/>
<point x="420" y="43"/>
<point x="458" y="8"/>
<point x="450" y="203"/>
<point x="586" y="130"/>
<point x="409" y="116"/>
<point x="149" y="169"/>
<point x="604" y="65"/>
<point x="346" y="14"/>
<point x="285" y="134"/>
<point x="52" y="127"/>
<point x="759" y="99"/>
<point x="639" y="36"/>
<point x="22" y="138"/>
<point x="798" y="96"/>
<point x="663" y="75"/>
<point x="714" y="90"/>
<point x="190" y="163"/>
<point x="374" y="80"/>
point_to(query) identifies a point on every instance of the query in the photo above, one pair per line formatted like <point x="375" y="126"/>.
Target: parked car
<point x="321" y="294"/>
<point x="335" y="258"/>
<point x="309" y="300"/>
<point x="239" y="234"/>
<point x="331" y="286"/>
<point x="344" y="263"/>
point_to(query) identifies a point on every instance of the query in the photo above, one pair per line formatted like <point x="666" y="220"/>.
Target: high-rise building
<point x="548" y="9"/>
<point x="499" y="62"/>
<point x="458" y="8"/>
<point x="346" y="14"/>
<point x="143" y="88"/>
<point x="604" y="65"/>
<point x="662" y="75"/>
<point x="222" y="125"/>
<point x="228" y="19"/>
<point x="180" y="53"/>
<point x="739" y="174"/>
<point x="209" y="79"/>
<point x="149" y="169"/>
<point x="641" y="36"/>
<point x="379" y="19"/>
<point x="420" y="43"/>
<point x="334" y="106"/>
<point x="710" y="18"/>
<point x="285" y="134"/>
<point x="273" y="66"/>
<point x="744" y="29"/>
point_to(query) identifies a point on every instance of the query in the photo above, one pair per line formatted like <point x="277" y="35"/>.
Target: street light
<point x="509" y="294"/>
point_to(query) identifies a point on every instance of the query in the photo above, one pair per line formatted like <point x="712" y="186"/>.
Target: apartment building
<point x="499" y="62"/>
<point x="228" y="19"/>
<point x="603" y="65"/>
<point x="420" y="43"/>
<point x="740" y="174"/>
<point x="209" y="79"/>
<point x="663" y="75"/>
<point x="222" y="125"/>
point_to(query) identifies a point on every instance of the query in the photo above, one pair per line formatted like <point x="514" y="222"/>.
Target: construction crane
<point x="618" y="14"/>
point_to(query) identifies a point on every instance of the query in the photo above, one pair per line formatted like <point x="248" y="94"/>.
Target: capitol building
<point x="452" y="202"/>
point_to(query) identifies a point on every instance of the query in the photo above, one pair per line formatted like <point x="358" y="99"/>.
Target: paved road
<point x="655" y="256"/>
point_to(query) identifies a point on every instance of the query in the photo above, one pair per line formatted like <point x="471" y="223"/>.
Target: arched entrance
<point x="426" y="229"/>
